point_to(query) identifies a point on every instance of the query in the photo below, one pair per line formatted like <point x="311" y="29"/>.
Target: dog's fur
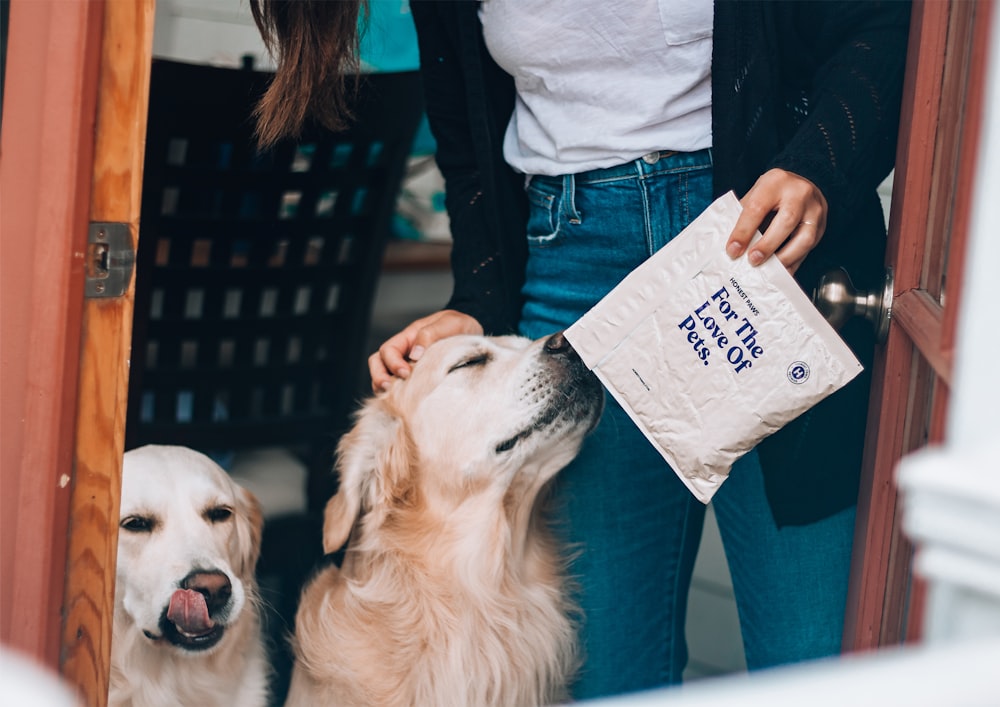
<point x="186" y="628"/>
<point x="452" y="590"/>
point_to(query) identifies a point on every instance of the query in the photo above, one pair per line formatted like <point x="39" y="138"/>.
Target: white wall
<point x="976" y="389"/>
<point x="207" y="31"/>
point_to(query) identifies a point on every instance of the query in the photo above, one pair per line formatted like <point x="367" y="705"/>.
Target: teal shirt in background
<point x="389" y="43"/>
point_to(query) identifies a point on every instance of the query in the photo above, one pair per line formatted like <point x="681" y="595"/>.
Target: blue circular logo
<point x="798" y="372"/>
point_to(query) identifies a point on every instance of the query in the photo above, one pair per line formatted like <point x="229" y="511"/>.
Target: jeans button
<point x="651" y="158"/>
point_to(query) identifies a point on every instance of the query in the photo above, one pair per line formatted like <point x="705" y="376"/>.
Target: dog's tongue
<point x="189" y="612"/>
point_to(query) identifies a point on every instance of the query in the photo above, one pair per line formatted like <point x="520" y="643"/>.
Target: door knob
<point x="839" y="301"/>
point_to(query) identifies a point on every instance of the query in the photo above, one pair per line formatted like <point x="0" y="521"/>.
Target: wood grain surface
<point x="123" y="91"/>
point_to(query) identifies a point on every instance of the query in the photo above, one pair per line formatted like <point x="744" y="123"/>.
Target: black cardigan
<point x="810" y="87"/>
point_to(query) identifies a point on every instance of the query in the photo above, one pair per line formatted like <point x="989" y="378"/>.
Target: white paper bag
<point x="709" y="355"/>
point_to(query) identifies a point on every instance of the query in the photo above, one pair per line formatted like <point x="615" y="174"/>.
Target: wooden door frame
<point x="942" y="109"/>
<point x="116" y="196"/>
<point x="74" y="126"/>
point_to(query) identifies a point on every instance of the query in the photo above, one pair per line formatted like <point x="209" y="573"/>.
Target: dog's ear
<point x="372" y="460"/>
<point x="249" y="531"/>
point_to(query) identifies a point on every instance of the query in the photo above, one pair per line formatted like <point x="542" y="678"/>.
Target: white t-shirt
<point x="602" y="82"/>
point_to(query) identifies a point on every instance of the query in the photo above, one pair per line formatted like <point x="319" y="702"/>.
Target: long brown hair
<point x="316" y="46"/>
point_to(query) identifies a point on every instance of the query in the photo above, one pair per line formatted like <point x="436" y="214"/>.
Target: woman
<point x="576" y="138"/>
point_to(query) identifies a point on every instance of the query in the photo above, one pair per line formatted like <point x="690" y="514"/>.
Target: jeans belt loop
<point x="569" y="197"/>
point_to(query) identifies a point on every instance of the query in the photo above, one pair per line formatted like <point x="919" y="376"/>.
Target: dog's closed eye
<point x="508" y="445"/>
<point x="218" y="514"/>
<point x="138" y="524"/>
<point x="477" y="360"/>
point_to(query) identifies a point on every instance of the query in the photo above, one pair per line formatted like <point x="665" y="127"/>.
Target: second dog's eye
<point x="477" y="360"/>
<point x="137" y="524"/>
<point x="219" y="514"/>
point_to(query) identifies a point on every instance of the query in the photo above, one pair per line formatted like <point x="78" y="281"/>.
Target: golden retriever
<point x="186" y="629"/>
<point x="452" y="589"/>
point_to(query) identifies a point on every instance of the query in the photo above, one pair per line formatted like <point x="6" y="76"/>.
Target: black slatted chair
<point x="256" y="274"/>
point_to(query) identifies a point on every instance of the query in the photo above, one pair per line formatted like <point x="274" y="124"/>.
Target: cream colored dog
<point x="452" y="589"/>
<point x="186" y="629"/>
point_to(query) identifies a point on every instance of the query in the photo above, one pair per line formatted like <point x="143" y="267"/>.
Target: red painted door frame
<point x="46" y="156"/>
<point x="942" y="112"/>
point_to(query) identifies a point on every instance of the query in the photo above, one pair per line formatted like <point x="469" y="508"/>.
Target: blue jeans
<point x="635" y="528"/>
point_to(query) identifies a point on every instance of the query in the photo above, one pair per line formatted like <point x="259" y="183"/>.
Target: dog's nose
<point x="213" y="584"/>
<point x="558" y="344"/>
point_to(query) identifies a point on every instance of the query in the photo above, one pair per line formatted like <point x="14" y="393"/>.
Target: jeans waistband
<point x="648" y="165"/>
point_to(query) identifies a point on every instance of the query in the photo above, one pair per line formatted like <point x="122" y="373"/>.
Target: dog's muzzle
<point x="192" y="620"/>
<point x="584" y="392"/>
